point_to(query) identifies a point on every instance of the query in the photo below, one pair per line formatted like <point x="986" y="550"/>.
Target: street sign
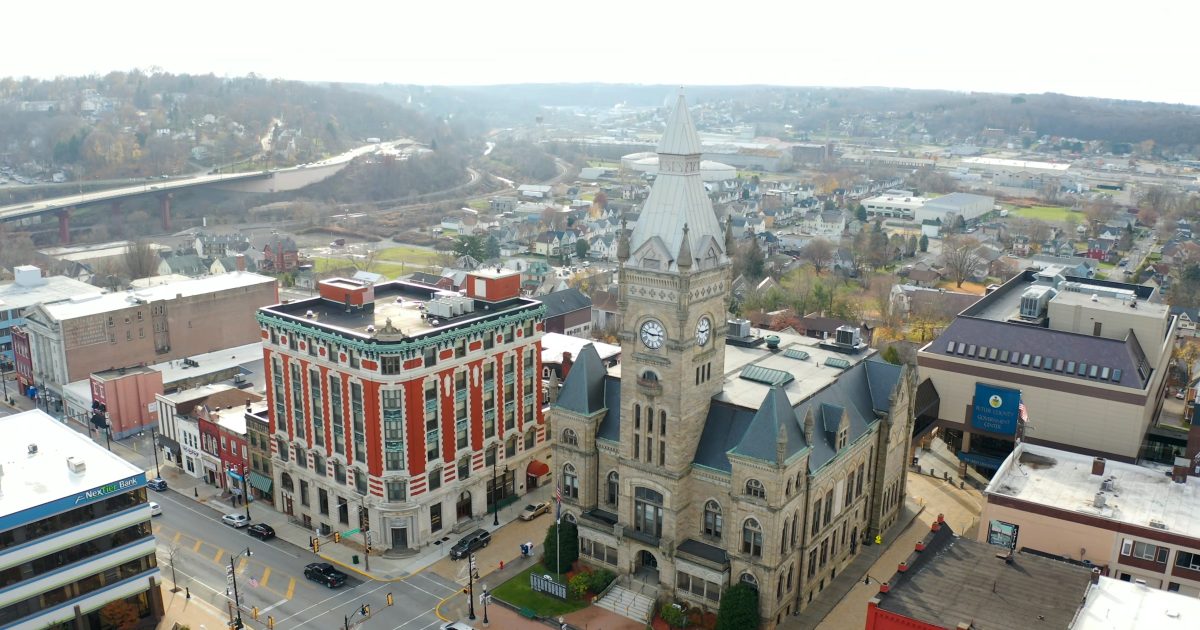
<point x="350" y="532"/>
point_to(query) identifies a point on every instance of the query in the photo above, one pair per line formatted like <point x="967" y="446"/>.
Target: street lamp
<point x="495" y="491"/>
<point x="486" y="596"/>
<point x="245" y="491"/>
<point x="236" y="623"/>
<point x="471" y="587"/>
<point x="154" y="447"/>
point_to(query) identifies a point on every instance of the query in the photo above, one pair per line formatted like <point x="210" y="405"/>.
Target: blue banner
<point x="71" y="501"/>
<point x="996" y="409"/>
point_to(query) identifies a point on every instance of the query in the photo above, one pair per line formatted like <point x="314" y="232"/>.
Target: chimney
<point x="1095" y="576"/>
<point x="241" y="262"/>
<point x="567" y="362"/>
<point x="1098" y="466"/>
<point x="1179" y="472"/>
<point x="247" y="404"/>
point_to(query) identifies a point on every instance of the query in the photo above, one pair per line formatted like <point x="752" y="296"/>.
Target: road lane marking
<point x="291" y="588"/>
<point x="241" y="567"/>
<point x="196" y="547"/>
<point x="435" y="582"/>
<point x="272" y="607"/>
<point x="176" y="537"/>
<point x="217" y="557"/>
<point x="265" y="576"/>
<point x="350" y="591"/>
<point x="418" y="618"/>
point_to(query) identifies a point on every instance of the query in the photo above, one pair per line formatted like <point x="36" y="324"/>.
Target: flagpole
<point x="557" y="531"/>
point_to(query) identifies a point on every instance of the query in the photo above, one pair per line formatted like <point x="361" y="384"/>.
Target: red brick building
<point x="280" y="255"/>
<point x="421" y="408"/>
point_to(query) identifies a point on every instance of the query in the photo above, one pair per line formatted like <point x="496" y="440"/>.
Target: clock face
<point x="652" y="334"/>
<point x="703" y="329"/>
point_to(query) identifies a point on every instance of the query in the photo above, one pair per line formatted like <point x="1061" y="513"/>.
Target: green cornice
<point x="373" y="347"/>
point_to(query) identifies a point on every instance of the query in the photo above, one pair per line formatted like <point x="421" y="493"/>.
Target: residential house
<point x="219" y="245"/>
<point x="908" y="300"/>
<point x="606" y="314"/>
<point x="237" y="262"/>
<point x="189" y="265"/>
<point x="603" y="247"/>
<point x="568" y="312"/>
<point x="824" y="223"/>
<point x="554" y="243"/>
<point x="280" y="255"/>
<point x="1103" y="249"/>
<point x="428" y="279"/>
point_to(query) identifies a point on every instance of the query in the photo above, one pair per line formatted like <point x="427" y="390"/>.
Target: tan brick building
<point x="712" y="454"/>
<point x="70" y="339"/>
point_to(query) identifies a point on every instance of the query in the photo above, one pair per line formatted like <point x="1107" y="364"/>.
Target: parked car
<point x="155" y="509"/>
<point x="158" y="483"/>
<point x="261" y="531"/>
<point x="477" y="539"/>
<point x="235" y="520"/>
<point x="457" y="625"/>
<point x="324" y="573"/>
<point x="534" y="510"/>
<point x="1181" y="394"/>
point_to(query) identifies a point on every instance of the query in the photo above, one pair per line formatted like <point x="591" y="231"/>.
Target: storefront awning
<point x="233" y="473"/>
<point x="261" y="482"/>
<point x="537" y="468"/>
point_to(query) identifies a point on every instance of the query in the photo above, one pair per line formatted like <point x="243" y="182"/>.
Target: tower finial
<point x="684" y="259"/>
<point x="729" y="235"/>
<point x="623" y="243"/>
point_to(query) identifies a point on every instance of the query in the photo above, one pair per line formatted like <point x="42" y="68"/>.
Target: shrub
<point x="600" y="579"/>
<point x="577" y="586"/>
<point x="675" y="617"/>
<point x="739" y="608"/>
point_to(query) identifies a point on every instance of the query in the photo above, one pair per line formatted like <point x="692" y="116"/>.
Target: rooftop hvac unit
<point x="76" y="465"/>
<point x="1099" y="501"/>
<point x="847" y="336"/>
<point x="439" y="308"/>
<point x="739" y="327"/>
<point x="1034" y="301"/>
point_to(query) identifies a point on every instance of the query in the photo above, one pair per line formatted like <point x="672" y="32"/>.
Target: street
<point x="192" y="538"/>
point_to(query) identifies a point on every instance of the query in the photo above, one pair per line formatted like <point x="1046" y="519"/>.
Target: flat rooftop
<point x="405" y="305"/>
<point x="956" y="580"/>
<point x="554" y="344"/>
<point x="1017" y="164"/>
<point x="210" y="362"/>
<point x="32" y="480"/>
<point x="802" y="358"/>
<point x="54" y="289"/>
<point x="1058" y="479"/>
<point x="94" y="305"/>
<point x="1113" y="604"/>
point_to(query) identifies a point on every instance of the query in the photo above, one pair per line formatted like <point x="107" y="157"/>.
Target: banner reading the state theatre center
<point x="996" y="409"/>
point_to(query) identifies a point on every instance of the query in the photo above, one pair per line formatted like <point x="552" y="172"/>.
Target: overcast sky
<point x="1142" y="50"/>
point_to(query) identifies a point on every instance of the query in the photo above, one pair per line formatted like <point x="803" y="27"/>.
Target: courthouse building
<point x="713" y="455"/>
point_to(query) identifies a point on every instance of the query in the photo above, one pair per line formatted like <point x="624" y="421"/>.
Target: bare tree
<point x="819" y="252"/>
<point x="141" y="260"/>
<point x="960" y="254"/>
<point x="1039" y="231"/>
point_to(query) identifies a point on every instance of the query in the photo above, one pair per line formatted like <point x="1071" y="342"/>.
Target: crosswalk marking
<point x="219" y="554"/>
<point x="176" y="537"/>
<point x="196" y="547"/>
<point x="272" y="607"/>
<point x="291" y="588"/>
<point x="241" y="568"/>
<point x="265" y="576"/>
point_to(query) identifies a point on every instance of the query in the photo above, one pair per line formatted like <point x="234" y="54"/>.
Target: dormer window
<point x="843" y="437"/>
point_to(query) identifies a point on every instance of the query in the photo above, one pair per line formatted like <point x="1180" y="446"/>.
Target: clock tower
<point x="674" y="287"/>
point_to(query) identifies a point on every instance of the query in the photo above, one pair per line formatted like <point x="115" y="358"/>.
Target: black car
<point x="261" y="531"/>
<point x="158" y="483"/>
<point x="324" y="573"/>
<point x="477" y="539"/>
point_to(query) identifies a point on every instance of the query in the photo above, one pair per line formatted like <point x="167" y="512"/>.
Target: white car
<point x="235" y="520"/>
<point x="155" y="509"/>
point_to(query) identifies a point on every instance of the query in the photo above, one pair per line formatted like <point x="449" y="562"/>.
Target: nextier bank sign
<point x="72" y="501"/>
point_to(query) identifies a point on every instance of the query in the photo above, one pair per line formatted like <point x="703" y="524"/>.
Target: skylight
<point x="766" y="376"/>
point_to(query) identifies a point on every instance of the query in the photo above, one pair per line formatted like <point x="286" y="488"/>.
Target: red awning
<point x="537" y="468"/>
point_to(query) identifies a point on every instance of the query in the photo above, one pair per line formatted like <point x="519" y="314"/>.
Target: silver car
<point x="235" y="520"/>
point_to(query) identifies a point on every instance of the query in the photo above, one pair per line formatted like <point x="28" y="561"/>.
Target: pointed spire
<point x="729" y="234"/>
<point x="623" y="243"/>
<point x="680" y="136"/>
<point x="781" y="445"/>
<point x="684" y="259"/>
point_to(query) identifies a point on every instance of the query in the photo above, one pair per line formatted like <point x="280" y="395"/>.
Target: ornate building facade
<point x="711" y="454"/>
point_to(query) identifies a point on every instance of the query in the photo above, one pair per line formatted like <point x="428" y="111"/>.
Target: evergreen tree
<point x="923" y="245"/>
<point x="493" y="247"/>
<point x="568" y="544"/>
<point x="739" y="608"/>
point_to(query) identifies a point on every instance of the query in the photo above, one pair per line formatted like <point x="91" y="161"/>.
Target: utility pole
<point x="236" y="623"/>
<point x="471" y="587"/>
<point x="154" y="446"/>
<point x="495" y="492"/>
<point x="364" y="526"/>
<point x="245" y="491"/>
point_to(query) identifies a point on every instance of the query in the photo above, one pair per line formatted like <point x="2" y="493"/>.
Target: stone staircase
<point x="628" y="603"/>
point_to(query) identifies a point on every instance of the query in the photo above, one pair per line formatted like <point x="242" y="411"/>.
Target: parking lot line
<point x="241" y="568"/>
<point x="176" y="537"/>
<point x="265" y="577"/>
<point x="196" y="547"/>
<point x="291" y="588"/>
<point x="217" y="557"/>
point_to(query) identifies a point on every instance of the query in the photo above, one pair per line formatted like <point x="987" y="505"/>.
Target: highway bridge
<point x="268" y="181"/>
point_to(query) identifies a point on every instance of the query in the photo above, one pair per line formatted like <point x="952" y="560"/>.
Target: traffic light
<point x="316" y="545"/>
<point x="337" y="537"/>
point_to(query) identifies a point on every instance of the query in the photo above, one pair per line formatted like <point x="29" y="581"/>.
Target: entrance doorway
<point x="399" y="538"/>
<point x="647" y="567"/>
<point x="462" y="509"/>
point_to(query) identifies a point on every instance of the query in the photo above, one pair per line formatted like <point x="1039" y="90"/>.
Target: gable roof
<point x="584" y="389"/>
<point x="565" y="301"/>
<point x="775" y="418"/>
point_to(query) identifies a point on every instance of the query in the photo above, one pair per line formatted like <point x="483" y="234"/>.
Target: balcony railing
<point x="649" y="386"/>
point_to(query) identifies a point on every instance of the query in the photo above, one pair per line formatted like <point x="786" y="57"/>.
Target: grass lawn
<point x="389" y="270"/>
<point x="408" y="254"/>
<point x="1049" y="214"/>
<point x="967" y="287"/>
<point x="479" y="204"/>
<point x="518" y="593"/>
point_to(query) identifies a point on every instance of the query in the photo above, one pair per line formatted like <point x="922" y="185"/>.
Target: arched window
<point x="749" y="580"/>
<point x="649" y="375"/>
<point x="570" y="482"/>
<point x="713" y="521"/>
<point x="286" y="482"/>
<point x="752" y="538"/>
<point x="755" y="488"/>
<point x="662" y="422"/>
<point x="637" y="417"/>
<point x="787" y="490"/>
<point x="647" y="511"/>
<point x="783" y="535"/>
<point x="795" y="526"/>
<point x="614" y="487"/>
<point x="569" y="438"/>
<point x="650" y="420"/>
<point x="779" y="587"/>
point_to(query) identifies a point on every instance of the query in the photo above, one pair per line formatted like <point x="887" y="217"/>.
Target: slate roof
<point x="680" y="136"/>
<point x="583" y="390"/>
<point x="565" y="301"/>
<point x="1116" y="354"/>
<point x="188" y="265"/>
<point x="424" y="278"/>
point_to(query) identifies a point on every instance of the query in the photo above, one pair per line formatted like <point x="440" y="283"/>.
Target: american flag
<point x="557" y="502"/>
<point x="1023" y="412"/>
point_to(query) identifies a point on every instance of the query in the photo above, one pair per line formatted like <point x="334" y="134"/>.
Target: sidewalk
<point x="194" y="613"/>
<point x="382" y="568"/>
